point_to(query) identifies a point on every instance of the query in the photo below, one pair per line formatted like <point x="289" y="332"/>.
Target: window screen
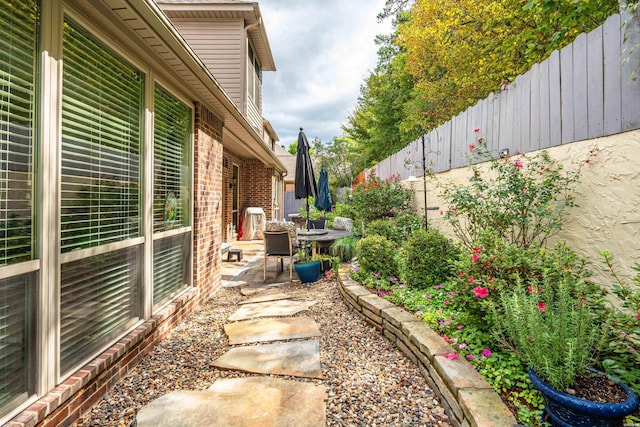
<point x="172" y="162"/>
<point x="99" y="300"/>
<point x="170" y="265"/>
<point x="102" y="105"/>
<point x="18" y="53"/>
<point x="16" y="324"/>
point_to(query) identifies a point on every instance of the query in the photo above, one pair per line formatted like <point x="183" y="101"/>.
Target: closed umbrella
<point x="305" y="184"/>
<point x="323" y="201"/>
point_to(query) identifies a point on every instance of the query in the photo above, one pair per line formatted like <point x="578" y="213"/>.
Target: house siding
<point x="219" y="45"/>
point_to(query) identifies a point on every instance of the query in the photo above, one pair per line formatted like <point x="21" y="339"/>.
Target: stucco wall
<point x="608" y="197"/>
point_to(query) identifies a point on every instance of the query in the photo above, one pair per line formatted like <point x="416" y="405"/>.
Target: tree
<point x="341" y="157"/>
<point x="293" y="148"/>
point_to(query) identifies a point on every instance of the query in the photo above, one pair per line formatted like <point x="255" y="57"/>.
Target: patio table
<point x="322" y="235"/>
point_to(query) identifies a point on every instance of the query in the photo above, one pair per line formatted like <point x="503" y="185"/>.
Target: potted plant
<point x="556" y="329"/>
<point x="308" y="269"/>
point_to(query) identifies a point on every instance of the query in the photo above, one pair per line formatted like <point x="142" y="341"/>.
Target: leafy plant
<point x="345" y="248"/>
<point x="383" y="227"/>
<point x="378" y="199"/>
<point x="521" y="200"/>
<point x="428" y="256"/>
<point x="376" y="255"/>
<point x="552" y="327"/>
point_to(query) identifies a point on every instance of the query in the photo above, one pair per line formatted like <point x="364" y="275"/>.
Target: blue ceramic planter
<point x="308" y="272"/>
<point x="565" y="410"/>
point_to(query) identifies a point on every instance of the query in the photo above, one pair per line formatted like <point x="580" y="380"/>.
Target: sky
<point x="324" y="50"/>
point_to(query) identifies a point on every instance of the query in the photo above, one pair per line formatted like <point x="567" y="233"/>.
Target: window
<point x="102" y="111"/>
<point x="101" y="135"/>
<point x="171" y="193"/>
<point x="18" y="73"/>
<point x="254" y="77"/>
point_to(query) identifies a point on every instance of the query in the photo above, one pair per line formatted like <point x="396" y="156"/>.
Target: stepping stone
<point x="250" y="331"/>
<point x="268" y="295"/>
<point x="253" y="289"/>
<point x="240" y="402"/>
<point x="270" y="309"/>
<point x="296" y="359"/>
<point x="234" y="283"/>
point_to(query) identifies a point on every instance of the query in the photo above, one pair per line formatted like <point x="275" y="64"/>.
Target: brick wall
<point x="254" y="185"/>
<point x="258" y="182"/>
<point x="208" y="202"/>
<point x="66" y="403"/>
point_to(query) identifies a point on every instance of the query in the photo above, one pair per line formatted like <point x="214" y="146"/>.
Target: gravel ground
<point x="369" y="381"/>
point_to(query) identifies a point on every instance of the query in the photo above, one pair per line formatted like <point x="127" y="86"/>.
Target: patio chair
<point x="278" y="244"/>
<point x="317" y="224"/>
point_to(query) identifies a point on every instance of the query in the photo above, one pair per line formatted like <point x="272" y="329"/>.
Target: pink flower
<point x="441" y="213"/>
<point x="475" y="258"/>
<point x="453" y="294"/>
<point x="460" y="327"/>
<point x="471" y="147"/>
<point x="471" y="280"/>
<point x="445" y="303"/>
<point x="451" y="356"/>
<point x="639" y="315"/>
<point x="480" y="138"/>
<point x="476" y="130"/>
<point x="419" y="313"/>
<point x="447" y="339"/>
<point x="525" y="191"/>
<point x="542" y="307"/>
<point x="517" y="163"/>
<point x="461" y="346"/>
<point x="477" y="249"/>
<point x="481" y="292"/>
<point x="470" y="356"/>
<point x="486" y="352"/>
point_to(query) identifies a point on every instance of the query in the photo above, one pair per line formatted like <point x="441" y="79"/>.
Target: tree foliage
<point x="341" y="157"/>
<point x="445" y="56"/>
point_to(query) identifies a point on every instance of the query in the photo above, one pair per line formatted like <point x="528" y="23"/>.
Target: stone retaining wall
<point x="467" y="398"/>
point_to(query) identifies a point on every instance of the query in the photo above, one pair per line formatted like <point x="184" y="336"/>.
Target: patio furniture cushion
<point x="283" y="226"/>
<point x="341" y="223"/>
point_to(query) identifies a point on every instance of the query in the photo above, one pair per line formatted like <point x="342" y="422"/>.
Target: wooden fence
<point x="586" y="90"/>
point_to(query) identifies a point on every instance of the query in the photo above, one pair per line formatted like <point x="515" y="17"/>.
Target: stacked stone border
<point x="467" y="398"/>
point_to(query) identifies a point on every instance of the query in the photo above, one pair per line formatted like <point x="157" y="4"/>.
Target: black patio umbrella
<point x="305" y="184"/>
<point x="323" y="201"/>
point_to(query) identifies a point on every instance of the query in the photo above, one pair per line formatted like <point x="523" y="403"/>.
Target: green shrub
<point x="407" y="224"/>
<point x="345" y="248"/>
<point x="376" y="255"/>
<point x="428" y="256"/>
<point x="377" y="199"/>
<point x="523" y="200"/>
<point x="385" y="228"/>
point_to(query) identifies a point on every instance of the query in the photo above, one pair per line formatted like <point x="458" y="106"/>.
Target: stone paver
<point x="268" y="295"/>
<point x="297" y="359"/>
<point x="240" y="402"/>
<point x="254" y="288"/>
<point x="263" y="330"/>
<point x="270" y="309"/>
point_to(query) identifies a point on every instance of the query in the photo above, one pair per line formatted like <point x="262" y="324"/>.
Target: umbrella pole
<point x="307" y="213"/>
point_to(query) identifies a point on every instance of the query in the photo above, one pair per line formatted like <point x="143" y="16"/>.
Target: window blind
<point x="18" y="61"/>
<point x="99" y="300"/>
<point x="15" y="340"/>
<point x="172" y="161"/>
<point x="102" y="107"/>
<point x="170" y="265"/>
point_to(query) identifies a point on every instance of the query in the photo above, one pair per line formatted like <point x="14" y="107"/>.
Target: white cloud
<point x="324" y="49"/>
